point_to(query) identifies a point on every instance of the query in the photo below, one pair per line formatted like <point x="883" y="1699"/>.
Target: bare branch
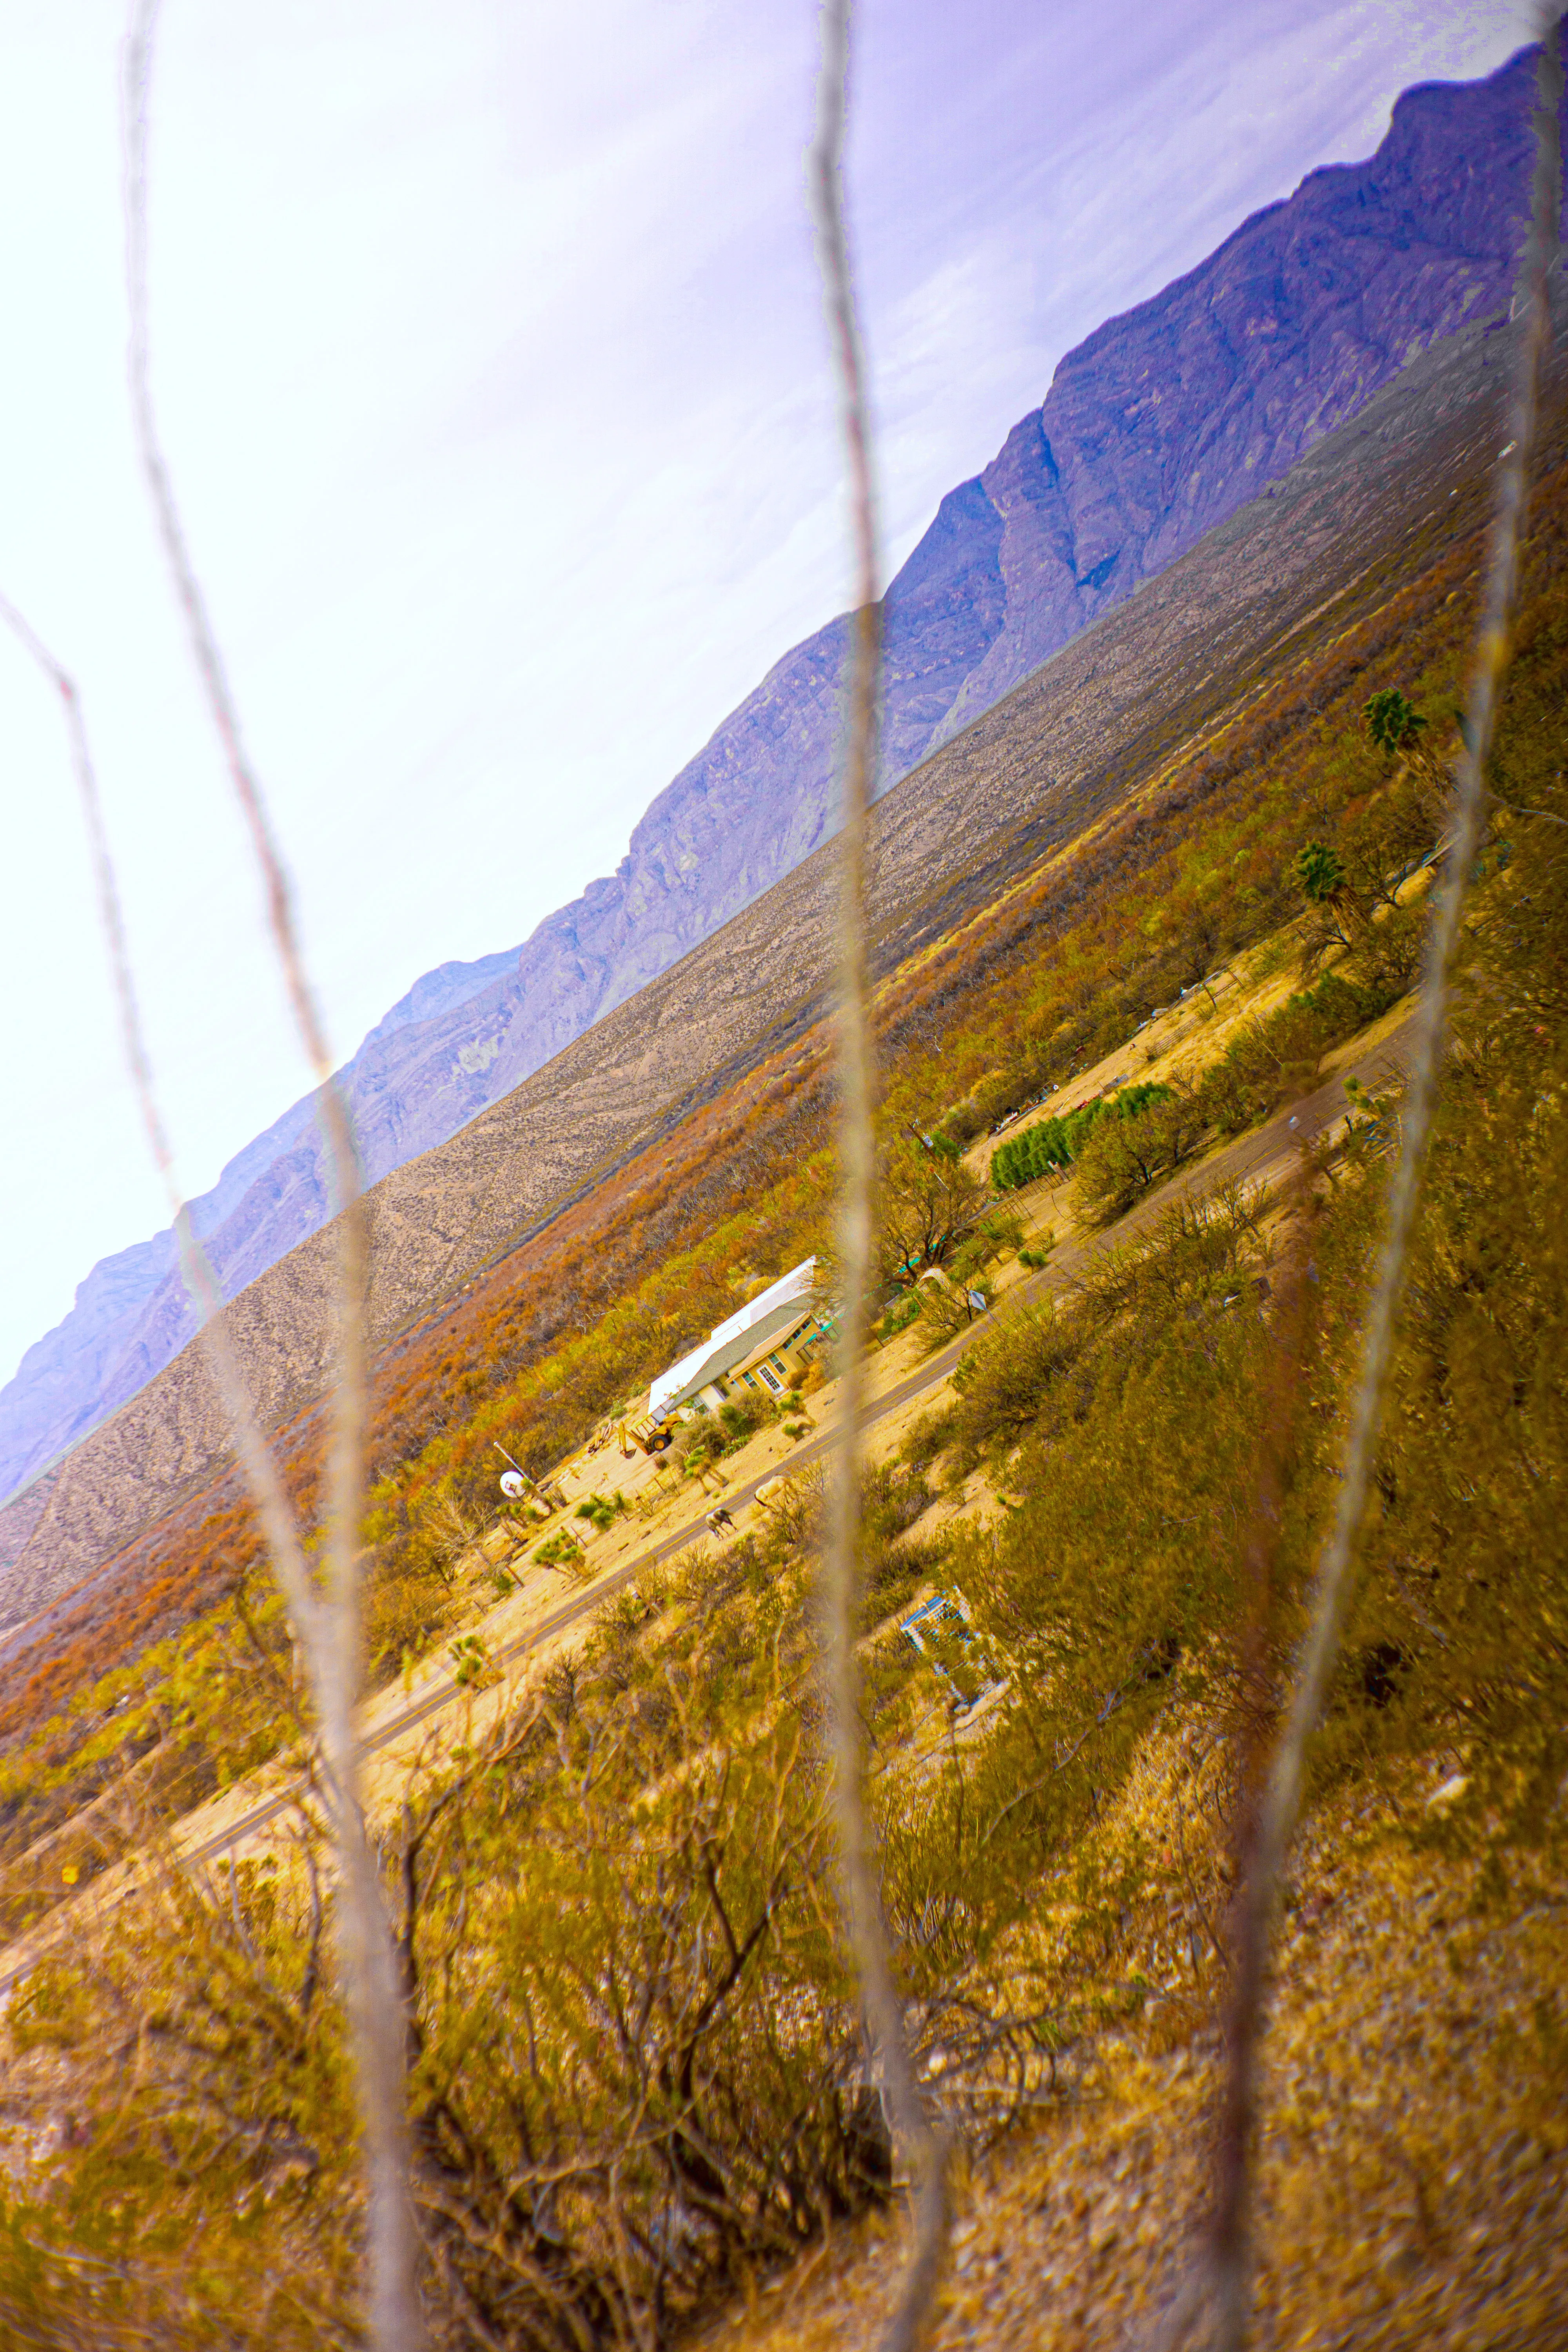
<point x="329" y="1629"/>
<point x="200" y="1280"/>
<point x="925" y="2152"/>
<point x="1281" y="1800"/>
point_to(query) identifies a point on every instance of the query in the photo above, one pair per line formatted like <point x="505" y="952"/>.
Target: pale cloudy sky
<point x="489" y="357"/>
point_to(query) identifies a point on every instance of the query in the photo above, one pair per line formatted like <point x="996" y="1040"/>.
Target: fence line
<point x="922" y="2148"/>
<point x="1231" y="2278"/>
<point x="328" y="1626"/>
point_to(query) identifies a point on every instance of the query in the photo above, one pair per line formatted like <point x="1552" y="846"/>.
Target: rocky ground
<point x="1413" y="2181"/>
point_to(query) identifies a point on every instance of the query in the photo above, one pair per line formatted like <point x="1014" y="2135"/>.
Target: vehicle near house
<point x="651" y="1434"/>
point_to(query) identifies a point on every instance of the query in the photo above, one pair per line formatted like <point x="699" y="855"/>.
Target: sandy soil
<point x="1413" y="2159"/>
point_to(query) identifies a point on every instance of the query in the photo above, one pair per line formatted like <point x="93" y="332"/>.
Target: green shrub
<point x="745" y="1413"/>
<point x="1392" y="722"/>
<point x="1318" y="872"/>
<point x="899" y="1314"/>
<point x="470" y="1661"/>
<point x="706" y="1440"/>
<point x="1056" y="1141"/>
<point x="560" y="1550"/>
<point x="600" y="1510"/>
<point x="1123" y="1159"/>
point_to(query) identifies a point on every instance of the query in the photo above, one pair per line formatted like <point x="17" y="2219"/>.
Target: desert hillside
<point x="1164" y="421"/>
<point x="922" y="1698"/>
<point x="1099" y="722"/>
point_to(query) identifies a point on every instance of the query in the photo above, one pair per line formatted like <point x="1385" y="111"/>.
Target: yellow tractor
<point x="652" y="1436"/>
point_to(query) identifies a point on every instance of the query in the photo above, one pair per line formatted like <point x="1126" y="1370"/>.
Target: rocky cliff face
<point x="1090" y="732"/>
<point x="1162" y="423"/>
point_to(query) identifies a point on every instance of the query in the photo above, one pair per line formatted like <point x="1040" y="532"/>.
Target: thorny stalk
<point x="923" y="2148"/>
<point x="1281" y="1801"/>
<point x="196" y="1267"/>
<point x="329" y="1626"/>
<point x="1257" y="1665"/>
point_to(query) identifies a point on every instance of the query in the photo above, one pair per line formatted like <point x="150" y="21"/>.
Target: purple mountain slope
<point x="1158" y="427"/>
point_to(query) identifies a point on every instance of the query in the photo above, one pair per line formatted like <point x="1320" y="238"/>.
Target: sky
<point x="488" y="360"/>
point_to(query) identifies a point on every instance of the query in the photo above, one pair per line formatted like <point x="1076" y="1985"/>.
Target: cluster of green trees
<point x="1055" y="1142"/>
<point x="1356" y="912"/>
<point x="1120" y="1145"/>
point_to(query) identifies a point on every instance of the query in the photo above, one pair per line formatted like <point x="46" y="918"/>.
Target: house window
<point x="774" y="1385"/>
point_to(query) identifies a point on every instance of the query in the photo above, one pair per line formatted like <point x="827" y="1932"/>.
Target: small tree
<point x="1121" y="1158"/>
<point x="1392" y="722"/>
<point x="1200" y="950"/>
<point x="928" y="1205"/>
<point x="936" y="1141"/>
<point x="1319" y="875"/>
<point x="1337" y="914"/>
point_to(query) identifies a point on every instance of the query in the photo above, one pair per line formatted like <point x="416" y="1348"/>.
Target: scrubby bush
<point x="744" y="1414"/>
<point x="925" y="1438"/>
<point x="893" y="1495"/>
<point x="899" y="1312"/>
<point x="1271" y="1061"/>
<point x="600" y="1511"/>
<point x="1004" y="1380"/>
<point x="1386" y="960"/>
<point x="998" y="1234"/>
<point x="950" y="1307"/>
<point x="1123" y="1159"/>
<point x="561" y="1550"/>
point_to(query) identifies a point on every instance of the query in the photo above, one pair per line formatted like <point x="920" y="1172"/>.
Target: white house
<point x="764" y="1346"/>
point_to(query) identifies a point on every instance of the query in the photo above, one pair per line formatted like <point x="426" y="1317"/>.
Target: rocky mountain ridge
<point x="1163" y="422"/>
<point x="1132" y="707"/>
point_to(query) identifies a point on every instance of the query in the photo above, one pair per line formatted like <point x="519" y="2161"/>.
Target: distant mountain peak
<point x="1156" y="427"/>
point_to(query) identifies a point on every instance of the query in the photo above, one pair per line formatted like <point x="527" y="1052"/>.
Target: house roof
<point x="736" y="1338"/>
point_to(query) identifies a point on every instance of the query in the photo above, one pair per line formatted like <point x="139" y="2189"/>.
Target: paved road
<point x="1249" y="1160"/>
